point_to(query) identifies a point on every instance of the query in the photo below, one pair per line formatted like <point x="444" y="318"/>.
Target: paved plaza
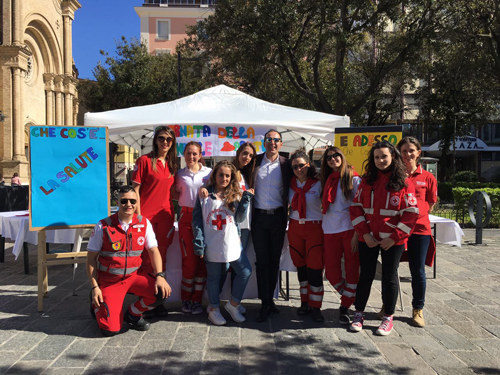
<point x="462" y="335"/>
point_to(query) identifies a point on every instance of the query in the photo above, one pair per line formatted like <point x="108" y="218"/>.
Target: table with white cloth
<point x="446" y="232"/>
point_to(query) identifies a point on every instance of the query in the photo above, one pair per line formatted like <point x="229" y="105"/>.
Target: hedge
<point x="445" y="189"/>
<point x="462" y="195"/>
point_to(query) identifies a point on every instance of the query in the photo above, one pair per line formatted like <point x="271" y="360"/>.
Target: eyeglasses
<point x="298" y="166"/>
<point x="330" y="157"/>
<point x="162" y="139"/>
<point x="125" y="201"/>
<point x="275" y="140"/>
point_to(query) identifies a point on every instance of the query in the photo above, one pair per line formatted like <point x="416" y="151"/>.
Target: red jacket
<point x="120" y="255"/>
<point x="384" y="213"/>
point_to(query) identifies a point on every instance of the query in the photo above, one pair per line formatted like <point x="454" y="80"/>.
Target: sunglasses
<point x="125" y="201"/>
<point x="275" y="140"/>
<point x="330" y="157"/>
<point x="162" y="139"/>
<point x="298" y="166"/>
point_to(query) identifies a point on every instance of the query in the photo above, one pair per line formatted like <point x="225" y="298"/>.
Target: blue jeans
<point x="218" y="271"/>
<point x="417" y="252"/>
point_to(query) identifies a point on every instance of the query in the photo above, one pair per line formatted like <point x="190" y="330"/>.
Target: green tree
<point x="134" y="77"/>
<point x="337" y="56"/>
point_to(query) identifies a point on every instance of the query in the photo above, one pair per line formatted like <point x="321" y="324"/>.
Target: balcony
<point x="182" y="3"/>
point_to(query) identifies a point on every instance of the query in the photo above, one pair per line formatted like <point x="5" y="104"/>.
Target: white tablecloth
<point x="15" y="226"/>
<point x="448" y="232"/>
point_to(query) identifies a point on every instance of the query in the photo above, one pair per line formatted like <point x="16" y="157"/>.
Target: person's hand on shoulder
<point x="203" y="193"/>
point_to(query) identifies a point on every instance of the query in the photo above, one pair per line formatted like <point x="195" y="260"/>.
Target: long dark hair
<point x="172" y="152"/>
<point x="346" y="173"/>
<point x="247" y="170"/>
<point x="301" y="154"/>
<point x="232" y="192"/>
<point x="397" y="167"/>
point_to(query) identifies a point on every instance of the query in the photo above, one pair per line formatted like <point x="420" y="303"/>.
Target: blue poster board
<point x="69" y="176"/>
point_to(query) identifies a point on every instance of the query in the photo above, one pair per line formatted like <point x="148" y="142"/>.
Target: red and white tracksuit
<point x="194" y="272"/>
<point x="156" y="204"/>
<point x="384" y="213"/>
<point x="117" y="272"/>
<point x="338" y="233"/>
<point x="305" y="239"/>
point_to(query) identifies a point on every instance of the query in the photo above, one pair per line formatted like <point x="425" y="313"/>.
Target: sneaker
<point x="386" y="326"/>
<point x="380" y="314"/>
<point x="418" y="318"/>
<point x="344" y="316"/>
<point x="241" y="309"/>
<point x="216" y="317"/>
<point x="234" y="312"/>
<point x="303" y="309"/>
<point x="186" y="307"/>
<point x="196" y="308"/>
<point x="357" y="322"/>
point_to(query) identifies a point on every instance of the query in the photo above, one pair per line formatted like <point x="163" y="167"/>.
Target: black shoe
<point x="303" y="309"/>
<point x="107" y="333"/>
<point x="344" y="316"/>
<point x="263" y="313"/>
<point x="136" y="322"/>
<point x="160" y="311"/>
<point x="273" y="308"/>
<point x="317" y="315"/>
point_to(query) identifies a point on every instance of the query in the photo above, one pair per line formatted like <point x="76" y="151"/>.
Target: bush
<point x="462" y="196"/>
<point x="465" y="176"/>
<point x="445" y="189"/>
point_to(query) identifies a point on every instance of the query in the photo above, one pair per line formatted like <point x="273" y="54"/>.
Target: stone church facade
<point x="38" y="78"/>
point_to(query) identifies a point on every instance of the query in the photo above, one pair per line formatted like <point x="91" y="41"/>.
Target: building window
<point x="163" y="29"/>
<point x="163" y="51"/>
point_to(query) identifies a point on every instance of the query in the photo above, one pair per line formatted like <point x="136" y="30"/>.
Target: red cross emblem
<point x="219" y="222"/>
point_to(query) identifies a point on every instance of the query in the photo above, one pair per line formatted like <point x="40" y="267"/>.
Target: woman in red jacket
<point x="383" y="213"/>
<point x="152" y="180"/>
<point x="420" y="244"/>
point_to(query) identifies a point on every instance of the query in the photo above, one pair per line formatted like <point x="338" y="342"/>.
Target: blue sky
<point x="97" y="26"/>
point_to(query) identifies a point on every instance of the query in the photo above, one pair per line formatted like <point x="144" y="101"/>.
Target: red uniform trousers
<point x="164" y="232"/>
<point x="336" y="246"/>
<point x="194" y="272"/>
<point x="109" y="315"/>
<point x="306" y="250"/>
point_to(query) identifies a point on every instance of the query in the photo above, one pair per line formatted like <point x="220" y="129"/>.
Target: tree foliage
<point x="337" y="56"/>
<point x="134" y="77"/>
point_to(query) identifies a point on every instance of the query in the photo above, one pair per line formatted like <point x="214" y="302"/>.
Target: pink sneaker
<point x="357" y="321"/>
<point x="386" y="327"/>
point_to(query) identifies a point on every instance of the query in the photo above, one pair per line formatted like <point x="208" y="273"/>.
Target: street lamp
<point x="457" y="114"/>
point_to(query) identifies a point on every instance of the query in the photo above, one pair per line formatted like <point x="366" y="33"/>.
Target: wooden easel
<point x="46" y="260"/>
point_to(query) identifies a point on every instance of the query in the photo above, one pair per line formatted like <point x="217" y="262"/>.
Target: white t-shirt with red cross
<point x="220" y="232"/>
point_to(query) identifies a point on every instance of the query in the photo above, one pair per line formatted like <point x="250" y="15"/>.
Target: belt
<point x="268" y="212"/>
<point x="302" y="222"/>
<point x="187" y="209"/>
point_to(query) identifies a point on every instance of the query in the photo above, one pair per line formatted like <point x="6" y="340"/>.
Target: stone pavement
<point x="462" y="335"/>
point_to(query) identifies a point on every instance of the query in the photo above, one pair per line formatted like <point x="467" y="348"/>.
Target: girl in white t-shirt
<point x="217" y="239"/>
<point x="339" y="183"/>
<point x="187" y="182"/>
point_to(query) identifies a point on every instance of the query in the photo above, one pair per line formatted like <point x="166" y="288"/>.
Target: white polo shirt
<point x="268" y="185"/>
<point x="188" y="183"/>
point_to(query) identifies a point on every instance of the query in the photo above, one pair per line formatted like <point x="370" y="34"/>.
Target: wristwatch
<point x="162" y="274"/>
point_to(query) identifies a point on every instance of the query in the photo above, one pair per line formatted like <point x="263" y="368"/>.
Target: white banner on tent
<point x="217" y="140"/>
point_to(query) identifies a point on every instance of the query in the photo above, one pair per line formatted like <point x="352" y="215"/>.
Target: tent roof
<point x="219" y="105"/>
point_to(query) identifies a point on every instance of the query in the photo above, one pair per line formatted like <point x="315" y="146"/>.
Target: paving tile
<point x="403" y="357"/>
<point x="80" y="353"/>
<point x="49" y="348"/>
<point x="470" y="330"/>
<point x="451" y="339"/>
<point x="29" y="367"/>
<point x="479" y="361"/>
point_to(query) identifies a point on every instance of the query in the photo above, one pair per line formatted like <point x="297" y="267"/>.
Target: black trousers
<point x="268" y="235"/>
<point x="368" y="267"/>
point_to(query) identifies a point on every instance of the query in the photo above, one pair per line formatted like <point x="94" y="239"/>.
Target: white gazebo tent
<point x="219" y="105"/>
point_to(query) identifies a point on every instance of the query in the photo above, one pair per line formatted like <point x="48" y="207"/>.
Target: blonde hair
<point x="232" y="193"/>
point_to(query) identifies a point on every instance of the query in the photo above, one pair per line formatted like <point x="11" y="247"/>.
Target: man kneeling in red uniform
<point x="114" y="256"/>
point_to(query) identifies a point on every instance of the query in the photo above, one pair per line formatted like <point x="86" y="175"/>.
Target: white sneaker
<point x="216" y="317"/>
<point x="241" y="309"/>
<point x="234" y="312"/>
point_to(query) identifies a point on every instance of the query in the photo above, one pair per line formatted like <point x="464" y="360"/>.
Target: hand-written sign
<point x="69" y="176"/>
<point x="356" y="143"/>
<point x="216" y="140"/>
